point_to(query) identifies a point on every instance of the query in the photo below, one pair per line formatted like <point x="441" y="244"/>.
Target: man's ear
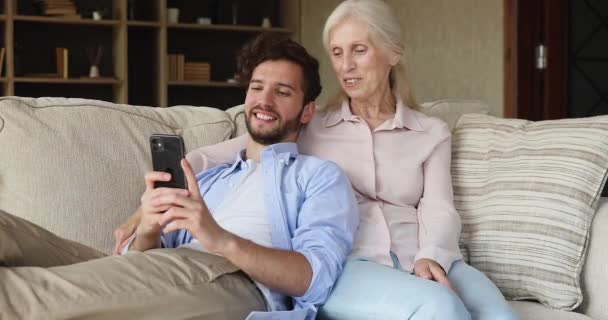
<point x="307" y="113"/>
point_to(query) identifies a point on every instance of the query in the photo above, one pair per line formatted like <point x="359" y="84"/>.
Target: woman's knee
<point x="443" y="303"/>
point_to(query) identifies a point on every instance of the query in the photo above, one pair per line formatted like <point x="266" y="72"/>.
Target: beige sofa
<point x="76" y="167"/>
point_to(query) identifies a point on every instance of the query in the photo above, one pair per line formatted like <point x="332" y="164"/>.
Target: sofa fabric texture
<point x="527" y="192"/>
<point x="531" y="311"/>
<point x="76" y="167"/>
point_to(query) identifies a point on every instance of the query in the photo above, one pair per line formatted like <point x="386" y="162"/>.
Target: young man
<point x="269" y="232"/>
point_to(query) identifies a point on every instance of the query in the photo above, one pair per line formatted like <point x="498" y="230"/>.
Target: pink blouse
<point x="401" y="175"/>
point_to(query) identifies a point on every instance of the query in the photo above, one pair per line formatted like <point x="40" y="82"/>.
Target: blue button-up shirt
<point x="311" y="210"/>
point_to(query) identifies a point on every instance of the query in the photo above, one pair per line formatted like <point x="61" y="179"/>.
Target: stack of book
<point x="58" y="8"/>
<point x="176" y="67"/>
<point x="197" y="71"/>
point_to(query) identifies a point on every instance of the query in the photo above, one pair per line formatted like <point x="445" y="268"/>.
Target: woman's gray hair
<point x="385" y="31"/>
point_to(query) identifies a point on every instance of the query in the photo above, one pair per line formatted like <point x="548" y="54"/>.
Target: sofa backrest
<point x="76" y="167"/>
<point x="446" y="110"/>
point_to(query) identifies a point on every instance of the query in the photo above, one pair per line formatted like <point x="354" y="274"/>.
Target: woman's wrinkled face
<point x="361" y="67"/>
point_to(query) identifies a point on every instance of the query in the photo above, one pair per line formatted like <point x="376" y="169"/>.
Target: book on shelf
<point x="176" y="67"/>
<point x="61" y="55"/>
<point x="58" y="8"/>
<point x="2" y="53"/>
<point x="197" y="71"/>
<point x="172" y="67"/>
<point x="180" y="66"/>
<point x="59" y="11"/>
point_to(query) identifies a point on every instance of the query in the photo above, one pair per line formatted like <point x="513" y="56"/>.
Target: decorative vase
<point x="97" y="15"/>
<point x="94" y="72"/>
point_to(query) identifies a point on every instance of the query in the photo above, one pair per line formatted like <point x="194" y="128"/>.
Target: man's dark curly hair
<point x="272" y="46"/>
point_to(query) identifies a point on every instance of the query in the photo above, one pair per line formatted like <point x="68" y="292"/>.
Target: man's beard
<point x="277" y="135"/>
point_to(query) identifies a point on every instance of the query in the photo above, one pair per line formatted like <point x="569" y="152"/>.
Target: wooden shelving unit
<point x="57" y="20"/>
<point x="136" y="43"/>
<point x="67" y="81"/>
<point x="227" y="27"/>
<point x="208" y="84"/>
<point x="144" y="24"/>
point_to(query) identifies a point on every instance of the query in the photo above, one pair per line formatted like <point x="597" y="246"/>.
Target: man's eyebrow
<point x="286" y="85"/>
<point x="282" y="84"/>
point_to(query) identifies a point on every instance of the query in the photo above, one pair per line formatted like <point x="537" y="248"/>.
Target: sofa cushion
<point x="237" y="115"/>
<point x="76" y="166"/>
<point x="451" y="110"/>
<point x="594" y="277"/>
<point x="528" y="310"/>
<point x="527" y="193"/>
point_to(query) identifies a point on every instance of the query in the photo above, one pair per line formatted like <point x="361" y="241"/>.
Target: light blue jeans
<point x="367" y="290"/>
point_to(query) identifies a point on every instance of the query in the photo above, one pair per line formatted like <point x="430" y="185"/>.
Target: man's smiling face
<point x="274" y="106"/>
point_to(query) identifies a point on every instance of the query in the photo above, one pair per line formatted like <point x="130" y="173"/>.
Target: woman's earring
<point x="394" y="61"/>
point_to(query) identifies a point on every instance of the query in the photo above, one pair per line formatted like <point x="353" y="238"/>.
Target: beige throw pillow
<point x="527" y="193"/>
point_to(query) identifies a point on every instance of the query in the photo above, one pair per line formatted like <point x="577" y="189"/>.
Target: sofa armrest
<point x="594" y="276"/>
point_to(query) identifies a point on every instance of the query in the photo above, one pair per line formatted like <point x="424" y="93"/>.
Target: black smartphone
<point x="167" y="152"/>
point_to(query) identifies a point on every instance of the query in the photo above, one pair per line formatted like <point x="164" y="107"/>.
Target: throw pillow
<point x="527" y="192"/>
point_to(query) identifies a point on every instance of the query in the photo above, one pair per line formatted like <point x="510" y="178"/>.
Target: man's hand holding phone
<point x="163" y="184"/>
<point x="174" y="202"/>
<point x="154" y="203"/>
<point x="190" y="212"/>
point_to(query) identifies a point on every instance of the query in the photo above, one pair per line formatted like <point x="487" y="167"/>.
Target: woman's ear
<point x="308" y="112"/>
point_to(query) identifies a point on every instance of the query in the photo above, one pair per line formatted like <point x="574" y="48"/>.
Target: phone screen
<point x="167" y="153"/>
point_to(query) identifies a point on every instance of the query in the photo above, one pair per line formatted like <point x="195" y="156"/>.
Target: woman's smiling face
<point x="361" y="67"/>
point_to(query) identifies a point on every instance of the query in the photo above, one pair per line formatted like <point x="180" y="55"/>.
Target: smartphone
<point x="167" y="152"/>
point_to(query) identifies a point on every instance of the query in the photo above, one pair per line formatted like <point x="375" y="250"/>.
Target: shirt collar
<point x="341" y="114"/>
<point x="238" y="163"/>
<point x="404" y="116"/>
<point x="283" y="151"/>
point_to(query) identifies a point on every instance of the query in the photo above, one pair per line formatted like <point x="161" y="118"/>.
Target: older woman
<point x="405" y="262"/>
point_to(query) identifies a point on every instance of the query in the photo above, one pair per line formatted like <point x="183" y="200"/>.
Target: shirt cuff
<point x="126" y="244"/>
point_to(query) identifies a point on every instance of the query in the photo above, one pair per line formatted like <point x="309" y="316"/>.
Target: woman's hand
<point x="431" y="270"/>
